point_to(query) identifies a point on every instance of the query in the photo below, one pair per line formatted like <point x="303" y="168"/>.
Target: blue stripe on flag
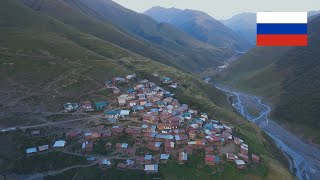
<point x="281" y="28"/>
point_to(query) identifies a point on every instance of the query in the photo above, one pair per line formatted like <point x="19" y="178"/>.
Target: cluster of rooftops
<point x="169" y="129"/>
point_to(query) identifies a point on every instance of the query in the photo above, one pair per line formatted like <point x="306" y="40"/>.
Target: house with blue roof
<point x="100" y="105"/>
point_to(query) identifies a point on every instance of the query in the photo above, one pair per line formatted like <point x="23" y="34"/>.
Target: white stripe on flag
<point x="282" y="17"/>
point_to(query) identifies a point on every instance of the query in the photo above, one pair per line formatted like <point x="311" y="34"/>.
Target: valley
<point x="303" y="157"/>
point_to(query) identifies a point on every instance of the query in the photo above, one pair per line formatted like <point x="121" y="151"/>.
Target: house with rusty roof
<point x="117" y="130"/>
<point x="255" y="158"/>
<point x="154" y="146"/>
<point x="87" y="146"/>
<point x="198" y="144"/>
<point x="169" y="146"/>
<point x="181" y="139"/>
<point x="136" y="132"/>
<point x="131" y="151"/>
<point x="73" y="133"/>
<point x="243" y="157"/>
<point x="106" y="134"/>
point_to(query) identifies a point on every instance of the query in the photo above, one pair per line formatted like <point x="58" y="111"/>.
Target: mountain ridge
<point x="200" y="25"/>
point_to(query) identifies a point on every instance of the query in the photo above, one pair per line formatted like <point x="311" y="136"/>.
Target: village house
<point x="148" y="159"/>
<point x="87" y="146"/>
<point x="140" y="160"/>
<point x="100" y="105"/>
<point x="105" y="163"/>
<point x="151" y="168"/>
<point x="136" y="132"/>
<point x="150" y="136"/>
<point x="133" y="103"/>
<point x="92" y="136"/>
<point x="121" y="147"/>
<point x="177" y="131"/>
<point x="209" y="150"/>
<point x="122" y="100"/>
<point x="124" y="114"/>
<point x="183" y="157"/>
<point x="164" y="157"/>
<point x="155" y="146"/>
<point x="244" y="148"/>
<point x="168" y="146"/>
<point x="122" y="166"/>
<point x="112" y="120"/>
<point x="213" y="140"/>
<point x="59" y="144"/>
<point x="255" y="158"/>
<point x="112" y="114"/>
<point x="32" y="150"/>
<point x="72" y="134"/>
<point x="148" y="128"/>
<point x="69" y="107"/>
<point x="43" y="148"/>
<point x="150" y="119"/>
<point x="106" y="134"/>
<point x="240" y="164"/>
<point x="87" y="106"/>
<point x="231" y="157"/>
<point x="237" y="141"/>
<point x="243" y="157"/>
<point x="181" y="139"/>
<point x="212" y="159"/>
<point x="198" y="144"/>
<point x="131" y="151"/>
<point x="116" y="130"/>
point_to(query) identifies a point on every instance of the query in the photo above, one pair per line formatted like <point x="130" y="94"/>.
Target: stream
<point x="304" y="158"/>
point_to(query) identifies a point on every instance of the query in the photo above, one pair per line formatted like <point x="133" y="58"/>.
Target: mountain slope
<point x="244" y="24"/>
<point x="160" y="42"/>
<point x="288" y="77"/>
<point x="201" y="26"/>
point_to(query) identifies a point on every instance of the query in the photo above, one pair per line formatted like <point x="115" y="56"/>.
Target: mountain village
<point x="164" y="129"/>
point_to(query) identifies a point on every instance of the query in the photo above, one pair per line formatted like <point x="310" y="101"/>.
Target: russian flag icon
<point x="282" y="29"/>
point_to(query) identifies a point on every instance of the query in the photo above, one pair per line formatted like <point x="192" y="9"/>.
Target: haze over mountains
<point x="201" y="26"/>
<point x="288" y="77"/>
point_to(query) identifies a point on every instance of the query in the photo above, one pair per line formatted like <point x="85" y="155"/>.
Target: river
<point x="304" y="158"/>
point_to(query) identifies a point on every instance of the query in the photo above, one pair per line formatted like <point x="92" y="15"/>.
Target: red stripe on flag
<point x="282" y="40"/>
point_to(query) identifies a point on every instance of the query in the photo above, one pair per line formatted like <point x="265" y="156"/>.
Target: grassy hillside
<point x="183" y="50"/>
<point x="201" y="26"/>
<point x="45" y="63"/>
<point x="287" y="77"/>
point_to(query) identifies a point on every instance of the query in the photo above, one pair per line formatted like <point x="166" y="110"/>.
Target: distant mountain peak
<point x="201" y="26"/>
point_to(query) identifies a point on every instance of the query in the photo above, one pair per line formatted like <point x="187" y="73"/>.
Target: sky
<point x="224" y="9"/>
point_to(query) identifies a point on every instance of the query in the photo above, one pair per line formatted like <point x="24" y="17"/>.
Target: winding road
<point x="304" y="158"/>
